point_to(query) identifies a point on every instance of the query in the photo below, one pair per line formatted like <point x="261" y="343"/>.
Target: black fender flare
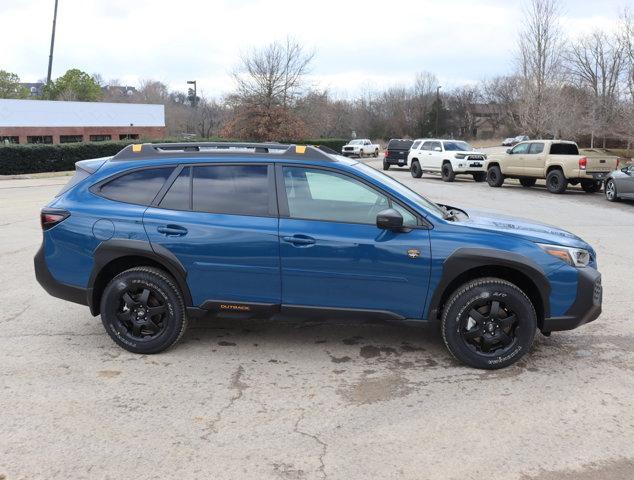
<point x="113" y="249"/>
<point x="465" y="259"/>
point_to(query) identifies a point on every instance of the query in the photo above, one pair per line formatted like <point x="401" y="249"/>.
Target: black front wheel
<point x="494" y="176"/>
<point x="489" y="323"/>
<point x="446" y="172"/>
<point x="143" y="311"/>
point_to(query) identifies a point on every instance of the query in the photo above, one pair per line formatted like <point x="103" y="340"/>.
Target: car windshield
<point x="356" y="142"/>
<point x="402" y="189"/>
<point x="400" y="144"/>
<point x="457" y="147"/>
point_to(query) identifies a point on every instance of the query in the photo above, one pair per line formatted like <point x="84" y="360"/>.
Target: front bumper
<point x="54" y="287"/>
<point x="586" y="307"/>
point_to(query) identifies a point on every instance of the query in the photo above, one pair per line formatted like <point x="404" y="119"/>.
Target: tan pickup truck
<point x="558" y="161"/>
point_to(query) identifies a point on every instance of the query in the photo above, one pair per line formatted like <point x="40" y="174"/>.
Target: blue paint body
<point x="243" y="258"/>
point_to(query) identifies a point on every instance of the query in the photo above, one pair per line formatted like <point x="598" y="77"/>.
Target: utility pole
<point x="437" y="107"/>
<point x="50" y="56"/>
<point x="194" y="100"/>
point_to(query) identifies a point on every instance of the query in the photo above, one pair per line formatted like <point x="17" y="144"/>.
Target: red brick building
<point x="43" y="121"/>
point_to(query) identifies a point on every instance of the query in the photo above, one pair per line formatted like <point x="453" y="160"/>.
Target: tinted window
<point x="521" y="148"/>
<point x="231" y="189"/>
<point x="138" y="187"/>
<point x="400" y="144"/>
<point x="330" y="196"/>
<point x="536" y="148"/>
<point x="564" y="149"/>
<point x="178" y="197"/>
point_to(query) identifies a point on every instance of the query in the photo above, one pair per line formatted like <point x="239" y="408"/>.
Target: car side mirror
<point x="389" y="219"/>
<point x="509" y="151"/>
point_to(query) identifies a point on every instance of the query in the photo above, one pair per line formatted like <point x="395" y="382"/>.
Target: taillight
<point x="583" y="163"/>
<point x="387" y="153"/>
<point x="49" y="217"/>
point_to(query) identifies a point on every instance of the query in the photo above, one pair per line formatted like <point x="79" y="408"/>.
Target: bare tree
<point x="539" y="54"/>
<point x="597" y="63"/>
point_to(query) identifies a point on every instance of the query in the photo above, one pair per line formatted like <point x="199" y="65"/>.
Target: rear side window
<point x="231" y="189"/>
<point x="178" y="197"/>
<point x="564" y="149"/>
<point x="536" y="148"/>
<point x="416" y="144"/>
<point x="400" y="144"/>
<point x="139" y="187"/>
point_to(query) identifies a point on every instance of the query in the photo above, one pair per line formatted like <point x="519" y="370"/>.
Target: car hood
<point x="528" y="229"/>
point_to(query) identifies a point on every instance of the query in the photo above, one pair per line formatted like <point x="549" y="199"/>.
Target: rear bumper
<point x="53" y="287"/>
<point x="396" y="161"/>
<point x="586" y="307"/>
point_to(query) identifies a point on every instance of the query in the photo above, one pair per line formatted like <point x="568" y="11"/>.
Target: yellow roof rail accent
<point x="300" y="148"/>
<point x="137" y="147"/>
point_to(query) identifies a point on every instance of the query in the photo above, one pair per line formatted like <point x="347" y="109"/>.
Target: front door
<point x="535" y="160"/>
<point x="514" y="161"/>
<point x="333" y="255"/>
<point x="220" y="221"/>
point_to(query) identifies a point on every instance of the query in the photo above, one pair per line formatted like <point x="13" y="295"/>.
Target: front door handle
<point x="172" y="230"/>
<point x="299" y="240"/>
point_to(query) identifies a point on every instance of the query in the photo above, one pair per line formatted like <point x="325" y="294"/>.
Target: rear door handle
<point x="172" y="230"/>
<point x="299" y="240"/>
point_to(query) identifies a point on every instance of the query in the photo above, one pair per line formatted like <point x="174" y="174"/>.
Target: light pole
<point x="193" y="82"/>
<point x="50" y="56"/>
<point x="437" y="106"/>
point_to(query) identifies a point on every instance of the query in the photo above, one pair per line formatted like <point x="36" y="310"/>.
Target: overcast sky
<point x="358" y="44"/>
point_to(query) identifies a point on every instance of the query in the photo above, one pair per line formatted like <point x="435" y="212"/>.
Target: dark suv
<point x="162" y="233"/>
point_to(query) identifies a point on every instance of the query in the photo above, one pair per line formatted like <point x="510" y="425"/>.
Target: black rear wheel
<point x="488" y="323"/>
<point x="415" y="169"/>
<point x="143" y="311"/>
<point x="556" y="182"/>
<point x="527" y="181"/>
<point x="386" y="166"/>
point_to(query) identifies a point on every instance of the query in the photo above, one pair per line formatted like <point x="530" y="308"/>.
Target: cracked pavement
<point x="315" y="399"/>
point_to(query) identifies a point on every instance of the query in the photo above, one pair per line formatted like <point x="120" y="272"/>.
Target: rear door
<point x="535" y="160"/>
<point x="220" y="221"/>
<point x="334" y="256"/>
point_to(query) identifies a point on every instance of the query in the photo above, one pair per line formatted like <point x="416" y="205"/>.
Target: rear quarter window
<point x="564" y="149"/>
<point x="138" y="187"/>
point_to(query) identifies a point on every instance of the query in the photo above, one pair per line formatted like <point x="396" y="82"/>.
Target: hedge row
<point x="18" y="159"/>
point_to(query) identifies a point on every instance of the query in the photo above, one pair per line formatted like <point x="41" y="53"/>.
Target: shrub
<point x="18" y="159"/>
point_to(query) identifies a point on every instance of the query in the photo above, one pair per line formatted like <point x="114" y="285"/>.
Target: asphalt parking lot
<point x="314" y="400"/>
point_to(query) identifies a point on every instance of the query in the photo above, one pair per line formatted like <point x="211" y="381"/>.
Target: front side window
<point x="139" y="187"/>
<point x="329" y="196"/>
<point x="434" y="146"/>
<point x="231" y="189"/>
<point x="520" y="149"/>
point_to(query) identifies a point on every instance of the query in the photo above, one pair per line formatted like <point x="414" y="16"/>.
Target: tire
<point x="446" y="172"/>
<point x="376" y="153"/>
<point x="527" y="182"/>
<point x="611" y="194"/>
<point x="590" y="186"/>
<point x="485" y="341"/>
<point x="556" y="182"/>
<point x="386" y="166"/>
<point x="415" y="169"/>
<point x="479" y="177"/>
<point x="494" y="176"/>
<point x="125" y="307"/>
<point x="360" y="153"/>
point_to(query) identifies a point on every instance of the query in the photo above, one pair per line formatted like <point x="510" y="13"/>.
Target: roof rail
<point x="146" y="151"/>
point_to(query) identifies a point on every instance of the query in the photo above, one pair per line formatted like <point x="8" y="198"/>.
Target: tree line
<point x="581" y="89"/>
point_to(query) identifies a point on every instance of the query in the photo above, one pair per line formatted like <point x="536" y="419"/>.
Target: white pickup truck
<point x="360" y="148"/>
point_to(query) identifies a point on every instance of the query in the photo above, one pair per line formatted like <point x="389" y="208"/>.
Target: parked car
<point x="620" y="184"/>
<point x="360" y="148"/>
<point x="396" y="152"/>
<point x="447" y="157"/>
<point x="558" y="161"/>
<point x="518" y="139"/>
<point x="161" y="233"/>
<point x="507" y="142"/>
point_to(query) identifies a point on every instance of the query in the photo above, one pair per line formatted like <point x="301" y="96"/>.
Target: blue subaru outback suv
<point x="161" y="233"/>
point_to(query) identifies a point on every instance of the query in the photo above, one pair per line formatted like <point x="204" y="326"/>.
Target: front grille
<point x="348" y="149"/>
<point x="597" y="294"/>
<point x="475" y="157"/>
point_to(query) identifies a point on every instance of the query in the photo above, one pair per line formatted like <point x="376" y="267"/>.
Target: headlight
<point x="459" y="155"/>
<point x="575" y="257"/>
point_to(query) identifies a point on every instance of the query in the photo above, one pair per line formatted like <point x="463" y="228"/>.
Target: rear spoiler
<point x="92" y="165"/>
